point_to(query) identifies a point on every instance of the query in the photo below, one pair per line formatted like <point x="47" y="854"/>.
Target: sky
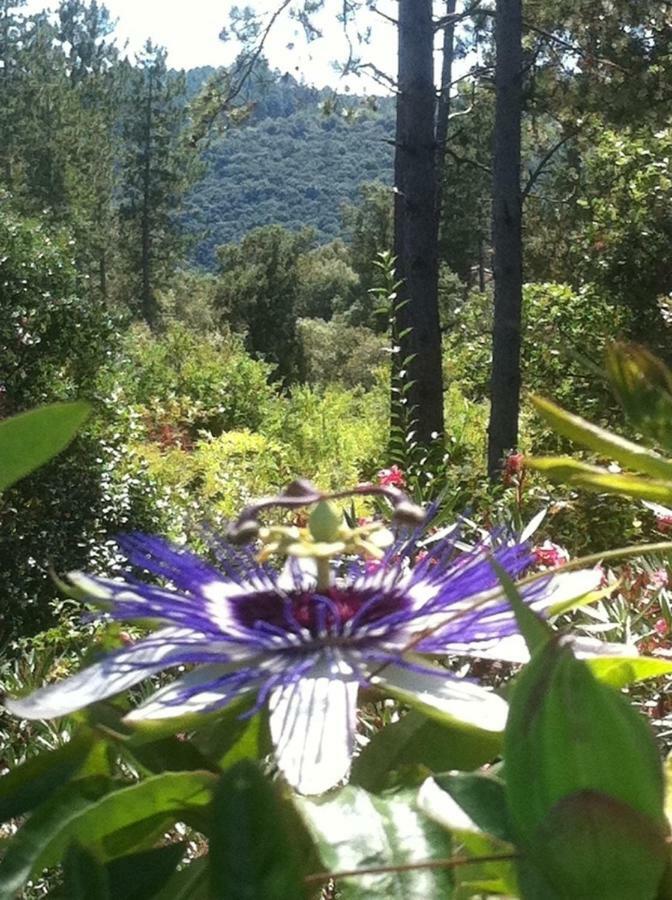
<point x="189" y="30"/>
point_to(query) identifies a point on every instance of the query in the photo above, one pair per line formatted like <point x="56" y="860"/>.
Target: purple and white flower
<point x="304" y="651"/>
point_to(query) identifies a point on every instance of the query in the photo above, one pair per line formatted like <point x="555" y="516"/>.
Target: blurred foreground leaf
<point x="251" y="853"/>
<point x="29" y="440"/>
<point x="584" y="786"/>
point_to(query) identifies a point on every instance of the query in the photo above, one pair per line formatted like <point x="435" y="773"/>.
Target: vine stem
<point x="452" y="863"/>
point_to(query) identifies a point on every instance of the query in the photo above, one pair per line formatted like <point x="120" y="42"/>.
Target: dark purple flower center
<point x="317" y="612"/>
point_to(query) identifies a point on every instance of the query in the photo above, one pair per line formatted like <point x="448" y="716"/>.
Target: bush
<point x="338" y="353"/>
<point x="181" y="383"/>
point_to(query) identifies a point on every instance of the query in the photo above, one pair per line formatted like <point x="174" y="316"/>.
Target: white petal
<point x="166" y="702"/>
<point x="443" y="693"/>
<point x="110" y="676"/>
<point x="513" y="649"/>
<point x="532" y="525"/>
<point x="313" y="729"/>
<point x="568" y="586"/>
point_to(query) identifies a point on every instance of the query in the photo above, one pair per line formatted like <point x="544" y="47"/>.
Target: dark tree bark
<point x="443" y="106"/>
<point x="147" y="299"/>
<point x="507" y="236"/>
<point x="415" y="222"/>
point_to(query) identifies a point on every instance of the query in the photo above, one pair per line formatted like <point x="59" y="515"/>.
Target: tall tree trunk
<point x="415" y="225"/>
<point x="147" y="294"/>
<point x="443" y="106"/>
<point x="507" y="236"/>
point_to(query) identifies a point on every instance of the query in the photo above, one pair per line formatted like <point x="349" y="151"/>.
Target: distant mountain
<point x="302" y="156"/>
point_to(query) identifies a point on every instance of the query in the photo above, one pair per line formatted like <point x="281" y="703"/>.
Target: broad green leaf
<point x="84" y="878"/>
<point x="628" y="454"/>
<point x="405" y="751"/>
<point x="252" y="855"/>
<point x="468" y="802"/>
<point x="29" y="440"/>
<point x="141" y="875"/>
<point x="570" y="471"/>
<point x="583" y="779"/>
<point x="354" y="829"/>
<point x="620" y="671"/>
<point x="25" y="850"/>
<point x="79" y="813"/>
<point x="32" y="782"/>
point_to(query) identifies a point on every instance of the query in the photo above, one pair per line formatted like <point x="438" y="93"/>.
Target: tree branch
<point x="543" y="162"/>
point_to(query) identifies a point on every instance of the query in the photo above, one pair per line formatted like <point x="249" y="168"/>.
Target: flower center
<point x="324" y="613"/>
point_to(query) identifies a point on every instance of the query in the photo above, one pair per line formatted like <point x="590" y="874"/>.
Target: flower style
<point x="302" y="641"/>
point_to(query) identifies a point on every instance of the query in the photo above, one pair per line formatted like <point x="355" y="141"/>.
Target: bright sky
<point x="189" y="30"/>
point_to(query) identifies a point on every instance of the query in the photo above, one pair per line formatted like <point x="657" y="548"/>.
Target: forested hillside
<point x="295" y="170"/>
<point x="296" y="159"/>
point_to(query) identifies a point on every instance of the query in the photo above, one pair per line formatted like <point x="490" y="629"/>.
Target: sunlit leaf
<point x="405" y="751"/>
<point x="628" y="454"/>
<point x="79" y="813"/>
<point x="354" y="829"/>
<point x="566" y="470"/>
<point x="619" y="672"/>
<point x="31" y="439"/>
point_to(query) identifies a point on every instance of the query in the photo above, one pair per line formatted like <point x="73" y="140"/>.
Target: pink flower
<point x="659" y="578"/>
<point x="664" y="523"/>
<point x="393" y="477"/>
<point x="661" y="627"/>
<point x="550" y="555"/>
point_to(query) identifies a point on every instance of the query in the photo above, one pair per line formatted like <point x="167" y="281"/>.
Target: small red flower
<point x="392" y="477"/>
<point x="664" y="524"/>
<point x="550" y="555"/>
<point x="661" y="627"/>
<point x="514" y="466"/>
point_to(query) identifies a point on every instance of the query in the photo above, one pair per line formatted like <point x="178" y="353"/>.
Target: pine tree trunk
<point x="507" y="237"/>
<point x="443" y="108"/>
<point x="147" y="295"/>
<point x="415" y="225"/>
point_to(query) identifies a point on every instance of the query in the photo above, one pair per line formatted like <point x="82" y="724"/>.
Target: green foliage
<point x="53" y="335"/>
<point x="183" y="383"/>
<point x="336" y="353"/>
<point x="258" y="294"/>
<point x="295" y="171"/>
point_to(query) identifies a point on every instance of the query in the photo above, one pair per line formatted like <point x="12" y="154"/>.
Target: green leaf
<point x="78" y="812"/>
<point x="354" y="829"/>
<point x="643" y="386"/>
<point x="628" y="454"/>
<point x="584" y="784"/>
<point x="231" y="738"/>
<point x="35" y="780"/>
<point x="141" y="875"/>
<point x="566" y="470"/>
<point x="84" y="878"/>
<point x="190" y="883"/>
<point x="29" y="440"/>
<point x="406" y="750"/>
<point x="251" y="854"/>
<point x="468" y="802"/>
<point x="620" y="671"/>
